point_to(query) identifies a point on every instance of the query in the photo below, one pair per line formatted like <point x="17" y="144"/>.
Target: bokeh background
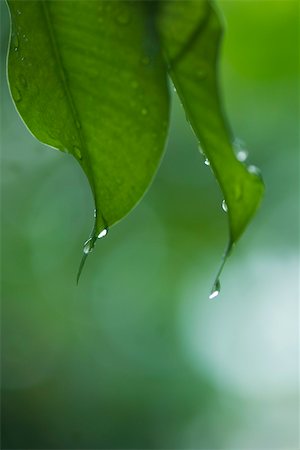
<point x="136" y="356"/>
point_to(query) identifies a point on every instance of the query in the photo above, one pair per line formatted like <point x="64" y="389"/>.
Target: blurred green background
<point x="136" y="356"/>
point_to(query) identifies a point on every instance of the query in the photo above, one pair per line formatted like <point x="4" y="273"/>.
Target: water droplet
<point x="77" y="152"/>
<point x="18" y="12"/>
<point x="15" y="42"/>
<point x="240" y="148"/>
<point x="224" y="206"/>
<point x="215" y="290"/>
<point x="144" y="111"/>
<point x="242" y="155"/>
<point x="22" y="59"/>
<point x="146" y="60"/>
<point x="254" y="170"/>
<point x="206" y="162"/>
<point x="174" y="89"/>
<point x="95" y="213"/>
<point x="88" y="246"/>
<point x="16" y="94"/>
<point x="102" y="233"/>
<point x="238" y="144"/>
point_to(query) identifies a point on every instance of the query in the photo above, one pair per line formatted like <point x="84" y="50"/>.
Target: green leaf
<point x="192" y="55"/>
<point x="88" y="78"/>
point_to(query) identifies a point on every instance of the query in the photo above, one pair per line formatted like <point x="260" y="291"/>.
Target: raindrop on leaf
<point x="224" y="206"/>
<point x="102" y="233"/>
<point x="215" y="290"/>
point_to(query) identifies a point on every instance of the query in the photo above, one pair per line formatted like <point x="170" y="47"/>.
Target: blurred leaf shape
<point x="90" y="78"/>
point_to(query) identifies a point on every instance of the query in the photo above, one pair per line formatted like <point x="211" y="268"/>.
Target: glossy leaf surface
<point x="88" y="78"/>
<point x="192" y="56"/>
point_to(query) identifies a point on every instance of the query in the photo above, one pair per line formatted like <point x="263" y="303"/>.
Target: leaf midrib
<point x="61" y="71"/>
<point x="68" y="93"/>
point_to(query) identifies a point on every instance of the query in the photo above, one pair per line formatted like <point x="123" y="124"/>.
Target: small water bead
<point x="224" y="206"/>
<point x="254" y="170"/>
<point x="206" y="162"/>
<point x="95" y="213"/>
<point x="242" y="155"/>
<point x="238" y="144"/>
<point x="102" y="233"/>
<point x="240" y="149"/>
<point x="88" y="246"/>
<point x="215" y="290"/>
<point x="16" y="94"/>
<point x="15" y="42"/>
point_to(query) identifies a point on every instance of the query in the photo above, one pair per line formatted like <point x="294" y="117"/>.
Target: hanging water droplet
<point x="206" y="162"/>
<point x="215" y="290"/>
<point x="95" y="213"/>
<point x="102" y="233"/>
<point x="200" y="149"/>
<point x="224" y="206"/>
<point x="16" y="94"/>
<point x="77" y="152"/>
<point x="15" y="42"/>
<point x="144" y="111"/>
<point x="240" y="149"/>
<point x="238" y="143"/>
<point x="174" y="89"/>
<point x="242" y="155"/>
<point x="88" y="246"/>
<point x="254" y="170"/>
